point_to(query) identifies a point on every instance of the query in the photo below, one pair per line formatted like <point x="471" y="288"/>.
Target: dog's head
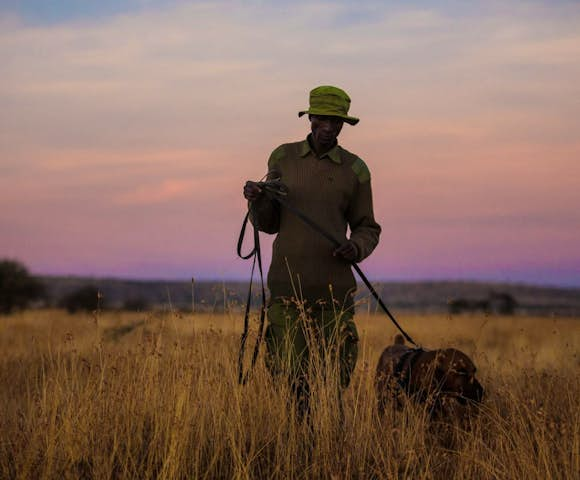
<point x="455" y="375"/>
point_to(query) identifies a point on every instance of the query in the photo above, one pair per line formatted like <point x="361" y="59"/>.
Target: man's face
<point x="325" y="130"/>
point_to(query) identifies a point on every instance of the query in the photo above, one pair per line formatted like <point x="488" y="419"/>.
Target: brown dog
<point x="438" y="378"/>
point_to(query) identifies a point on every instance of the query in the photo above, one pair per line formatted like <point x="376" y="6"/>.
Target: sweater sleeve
<point x="365" y="231"/>
<point x="265" y="212"/>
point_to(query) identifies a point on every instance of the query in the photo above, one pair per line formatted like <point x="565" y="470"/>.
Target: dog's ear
<point x="399" y="340"/>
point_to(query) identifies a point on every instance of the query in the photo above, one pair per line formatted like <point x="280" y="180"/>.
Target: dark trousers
<point x="306" y="343"/>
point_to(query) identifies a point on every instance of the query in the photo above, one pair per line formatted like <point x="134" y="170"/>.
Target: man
<point x="310" y="281"/>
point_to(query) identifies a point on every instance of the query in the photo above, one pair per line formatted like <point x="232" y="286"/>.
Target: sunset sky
<point x="127" y="130"/>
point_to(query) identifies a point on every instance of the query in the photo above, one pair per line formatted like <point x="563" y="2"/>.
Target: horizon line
<point x="383" y="281"/>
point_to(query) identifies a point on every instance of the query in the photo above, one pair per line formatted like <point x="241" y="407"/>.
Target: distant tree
<point x="503" y="303"/>
<point x="496" y="302"/>
<point x="17" y="287"/>
<point x="460" y="305"/>
<point x="83" y="299"/>
<point x="135" y="304"/>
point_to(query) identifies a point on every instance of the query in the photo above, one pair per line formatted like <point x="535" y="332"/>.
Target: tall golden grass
<point x="121" y="395"/>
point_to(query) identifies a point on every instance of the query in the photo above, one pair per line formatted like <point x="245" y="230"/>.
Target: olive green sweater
<point x="334" y="191"/>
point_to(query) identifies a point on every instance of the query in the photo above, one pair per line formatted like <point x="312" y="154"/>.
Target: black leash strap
<point x="256" y="254"/>
<point x="280" y="199"/>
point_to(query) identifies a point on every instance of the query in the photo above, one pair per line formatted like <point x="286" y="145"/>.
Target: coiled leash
<point x="277" y="191"/>
<point x="257" y="258"/>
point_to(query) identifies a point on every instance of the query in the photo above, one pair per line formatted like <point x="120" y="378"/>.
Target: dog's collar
<point x="399" y="373"/>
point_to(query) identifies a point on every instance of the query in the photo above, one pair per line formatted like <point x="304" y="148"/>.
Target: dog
<point x="443" y="380"/>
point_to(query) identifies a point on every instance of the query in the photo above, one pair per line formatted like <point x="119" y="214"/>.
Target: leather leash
<point x="256" y="254"/>
<point x="277" y="191"/>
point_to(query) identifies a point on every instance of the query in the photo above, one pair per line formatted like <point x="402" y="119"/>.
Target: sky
<point x="128" y="128"/>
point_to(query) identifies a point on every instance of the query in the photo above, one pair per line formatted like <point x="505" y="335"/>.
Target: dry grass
<point x="156" y="396"/>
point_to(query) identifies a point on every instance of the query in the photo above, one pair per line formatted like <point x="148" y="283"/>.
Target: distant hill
<point x="428" y="296"/>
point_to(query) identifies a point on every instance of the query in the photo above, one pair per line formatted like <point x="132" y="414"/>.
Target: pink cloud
<point x="163" y="192"/>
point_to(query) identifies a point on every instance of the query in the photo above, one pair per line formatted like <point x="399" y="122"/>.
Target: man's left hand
<point x="347" y="250"/>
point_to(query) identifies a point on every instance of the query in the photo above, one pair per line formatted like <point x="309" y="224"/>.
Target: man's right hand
<point x="252" y="191"/>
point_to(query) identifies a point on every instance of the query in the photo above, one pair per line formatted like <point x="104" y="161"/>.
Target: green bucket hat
<point x="332" y="101"/>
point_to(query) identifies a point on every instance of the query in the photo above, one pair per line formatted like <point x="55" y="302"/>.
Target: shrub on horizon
<point x="84" y="299"/>
<point x="18" y="288"/>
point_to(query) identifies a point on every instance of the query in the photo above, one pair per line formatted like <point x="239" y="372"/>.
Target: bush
<point x="87" y="299"/>
<point x="17" y="287"/>
<point x="135" y="304"/>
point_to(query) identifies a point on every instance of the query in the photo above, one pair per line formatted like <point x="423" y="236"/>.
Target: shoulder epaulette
<point x="361" y="170"/>
<point x="276" y="156"/>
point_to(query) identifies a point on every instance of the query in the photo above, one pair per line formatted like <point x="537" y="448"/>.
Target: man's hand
<point x="252" y="191"/>
<point x="347" y="250"/>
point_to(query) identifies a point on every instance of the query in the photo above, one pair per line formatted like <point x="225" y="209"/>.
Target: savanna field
<point x="155" y="395"/>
